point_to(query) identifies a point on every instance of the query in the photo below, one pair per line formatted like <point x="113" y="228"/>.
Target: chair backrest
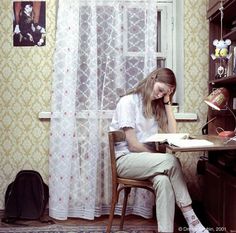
<point x="114" y="137"/>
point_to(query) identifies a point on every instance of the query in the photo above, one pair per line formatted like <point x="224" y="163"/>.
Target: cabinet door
<point x="230" y="203"/>
<point x="213" y="195"/>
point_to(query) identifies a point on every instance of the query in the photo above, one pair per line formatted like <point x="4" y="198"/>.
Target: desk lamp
<point x="218" y="100"/>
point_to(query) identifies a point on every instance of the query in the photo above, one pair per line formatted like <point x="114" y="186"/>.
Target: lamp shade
<point x="218" y="98"/>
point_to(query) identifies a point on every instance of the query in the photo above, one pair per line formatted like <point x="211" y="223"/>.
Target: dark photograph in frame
<point x="231" y="60"/>
<point x="29" y="23"/>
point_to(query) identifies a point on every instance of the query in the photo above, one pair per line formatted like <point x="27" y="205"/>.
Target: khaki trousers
<point x="165" y="171"/>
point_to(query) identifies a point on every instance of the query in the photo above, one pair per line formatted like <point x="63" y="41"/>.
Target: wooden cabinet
<point x="213" y="195"/>
<point x="224" y="118"/>
<point x="219" y="192"/>
<point x="213" y="6"/>
<point x="220" y="198"/>
<point x="229" y="207"/>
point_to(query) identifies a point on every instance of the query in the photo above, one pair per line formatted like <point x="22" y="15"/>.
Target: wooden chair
<point x="119" y="183"/>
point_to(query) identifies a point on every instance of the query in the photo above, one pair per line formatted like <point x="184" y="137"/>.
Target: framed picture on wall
<point x="29" y="23"/>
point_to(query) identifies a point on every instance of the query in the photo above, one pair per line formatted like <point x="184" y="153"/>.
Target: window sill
<point x="185" y="116"/>
<point x="179" y="116"/>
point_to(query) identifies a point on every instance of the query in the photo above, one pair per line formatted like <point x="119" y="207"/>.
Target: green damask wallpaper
<point x="26" y="76"/>
<point x="196" y="57"/>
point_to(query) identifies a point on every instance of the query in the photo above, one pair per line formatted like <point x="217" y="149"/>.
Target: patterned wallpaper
<point x="195" y="86"/>
<point x="26" y="75"/>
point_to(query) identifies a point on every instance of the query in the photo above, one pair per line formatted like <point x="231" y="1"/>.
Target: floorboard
<point x="101" y="221"/>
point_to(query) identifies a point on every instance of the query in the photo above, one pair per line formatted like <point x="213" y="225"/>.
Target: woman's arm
<point x="133" y="143"/>
<point x="171" y="127"/>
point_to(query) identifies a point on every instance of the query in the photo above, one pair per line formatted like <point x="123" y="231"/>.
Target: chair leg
<point x="127" y="191"/>
<point x="112" y="210"/>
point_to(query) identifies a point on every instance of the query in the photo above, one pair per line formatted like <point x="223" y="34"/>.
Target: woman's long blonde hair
<point x="155" y="107"/>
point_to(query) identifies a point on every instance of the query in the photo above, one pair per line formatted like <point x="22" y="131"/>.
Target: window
<point x="134" y="17"/>
<point x="119" y="62"/>
<point x="125" y="31"/>
<point x="169" y="37"/>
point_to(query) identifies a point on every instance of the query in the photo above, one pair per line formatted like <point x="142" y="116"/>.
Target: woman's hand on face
<point x="166" y="97"/>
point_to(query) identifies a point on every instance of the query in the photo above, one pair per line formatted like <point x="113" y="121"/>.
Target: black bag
<point x="26" y="197"/>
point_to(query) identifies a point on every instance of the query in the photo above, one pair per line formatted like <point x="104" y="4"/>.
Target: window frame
<point x="178" y="50"/>
<point x="173" y="34"/>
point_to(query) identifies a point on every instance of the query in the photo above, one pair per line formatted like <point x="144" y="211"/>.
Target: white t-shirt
<point x="129" y="113"/>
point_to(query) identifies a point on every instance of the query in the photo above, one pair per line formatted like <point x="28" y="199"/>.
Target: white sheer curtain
<point x="102" y="48"/>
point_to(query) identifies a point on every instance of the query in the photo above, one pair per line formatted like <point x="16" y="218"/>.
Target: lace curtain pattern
<point x="102" y="49"/>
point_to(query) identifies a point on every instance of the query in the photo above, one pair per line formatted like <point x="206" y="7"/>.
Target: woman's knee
<point x="162" y="182"/>
<point x="173" y="161"/>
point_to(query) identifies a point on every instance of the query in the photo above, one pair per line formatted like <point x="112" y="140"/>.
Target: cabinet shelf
<point x="224" y="81"/>
<point x="231" y="35"/>
<point x="229" y="12"/>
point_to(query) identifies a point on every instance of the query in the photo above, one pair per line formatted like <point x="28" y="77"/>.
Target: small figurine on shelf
<point x="221" y="50"/>
<point x="221" y="57"/>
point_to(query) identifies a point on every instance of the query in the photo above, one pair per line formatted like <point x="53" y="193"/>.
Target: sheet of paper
<point x="188" y="143"/>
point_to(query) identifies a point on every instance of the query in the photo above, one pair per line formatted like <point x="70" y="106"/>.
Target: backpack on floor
<point x="26" y="197"/>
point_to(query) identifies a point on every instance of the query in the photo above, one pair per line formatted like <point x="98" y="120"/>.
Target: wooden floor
<point x="102" y="221"/>
<point x="130" y="219"/>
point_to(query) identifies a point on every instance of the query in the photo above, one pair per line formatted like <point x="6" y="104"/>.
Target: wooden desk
<point x="219" y="193"/>
<point x="219" y="145"/>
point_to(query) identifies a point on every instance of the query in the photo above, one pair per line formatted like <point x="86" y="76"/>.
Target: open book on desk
<point x="166" y="137"/>
<point x="179" y="139"/>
